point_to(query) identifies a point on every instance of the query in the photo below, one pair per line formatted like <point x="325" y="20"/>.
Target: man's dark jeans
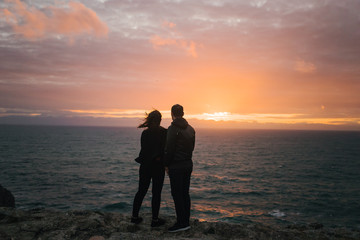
<point x="180" y="184"/>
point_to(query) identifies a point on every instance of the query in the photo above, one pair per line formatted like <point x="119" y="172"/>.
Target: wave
<point x="116" y="206"/>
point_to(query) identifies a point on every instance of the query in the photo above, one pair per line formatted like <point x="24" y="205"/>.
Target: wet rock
<point x="6" y="198"/>
<point x="210" y="230"/>
<point x="316" y="225"/>
<point x="4" y="236"/>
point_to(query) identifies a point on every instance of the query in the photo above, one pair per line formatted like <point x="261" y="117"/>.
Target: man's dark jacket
<point x="180" y="143"/>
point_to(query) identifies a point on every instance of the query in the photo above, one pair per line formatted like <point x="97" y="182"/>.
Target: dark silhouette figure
<point x="151" y="167"/>
<point x="180" y="143"/>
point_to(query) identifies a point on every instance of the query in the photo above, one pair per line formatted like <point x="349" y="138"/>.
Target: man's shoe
<point x="179" y="227"/>
<point x="157" y="223"/>
<point x="136" y="220"/>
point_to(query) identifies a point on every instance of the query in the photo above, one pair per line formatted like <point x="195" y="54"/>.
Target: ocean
<point x="269" y="176"/>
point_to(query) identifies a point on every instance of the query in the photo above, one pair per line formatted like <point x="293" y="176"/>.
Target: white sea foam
<point x="277" y="213"/>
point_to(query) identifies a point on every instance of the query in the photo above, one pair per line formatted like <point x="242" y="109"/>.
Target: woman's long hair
<point x="152" y="119"/>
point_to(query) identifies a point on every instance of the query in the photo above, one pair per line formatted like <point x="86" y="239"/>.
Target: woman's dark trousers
<point x="145" y="176"/>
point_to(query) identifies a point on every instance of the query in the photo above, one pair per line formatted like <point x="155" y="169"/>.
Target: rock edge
<point x="90" y="225"/>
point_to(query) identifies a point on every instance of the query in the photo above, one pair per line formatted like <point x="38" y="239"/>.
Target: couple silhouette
<point x="166" y="150"/>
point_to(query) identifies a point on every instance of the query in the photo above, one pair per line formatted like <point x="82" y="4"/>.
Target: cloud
<point x="304" y="67"/>
<point x="177" y="41"/>
<point x="95" y="113"/>
<point x="167" y="24"/>
<point x="8" y="15"/>
<point x="261" y="118"/>
<point x="258" y="3"/>
<point x="188" y="46"/>
<point x="275" y="118"/>
<point x="5" y="112"/>
<point x="33" y="24"/>
<point x="110" y="113"/>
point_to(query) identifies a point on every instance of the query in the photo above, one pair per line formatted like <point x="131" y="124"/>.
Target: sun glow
<point x="274" y="118"/>
<point x="218" y="116"/>
<point x="261" y="118"/>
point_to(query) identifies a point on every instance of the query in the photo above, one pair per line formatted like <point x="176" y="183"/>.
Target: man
<point x="180" y="143"/>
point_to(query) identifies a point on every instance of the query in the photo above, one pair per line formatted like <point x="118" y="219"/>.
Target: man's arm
<point x="193" y="139"/>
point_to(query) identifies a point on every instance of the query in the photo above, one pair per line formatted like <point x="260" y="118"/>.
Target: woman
<point x="153" y="140"/>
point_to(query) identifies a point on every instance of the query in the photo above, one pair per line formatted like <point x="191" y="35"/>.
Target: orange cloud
<point x="35" y="24"/>
<point x="304" y="67"/>
<point x="188" y="46"/>
<point x="169" y="24"/>
<point x="109" y="113"/>
<point x="8" y="15"/>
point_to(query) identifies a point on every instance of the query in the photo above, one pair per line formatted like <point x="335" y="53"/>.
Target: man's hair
<point x="177" y="110"/>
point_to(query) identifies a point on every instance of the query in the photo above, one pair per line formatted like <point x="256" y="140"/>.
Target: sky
<point x="283" y="64"/>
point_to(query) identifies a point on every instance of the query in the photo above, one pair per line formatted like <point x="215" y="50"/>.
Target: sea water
<point x="267" y="176"/>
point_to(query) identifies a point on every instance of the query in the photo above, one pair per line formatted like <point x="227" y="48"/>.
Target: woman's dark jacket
<point x="152" y="147"/>
<point x="180" y="143"/>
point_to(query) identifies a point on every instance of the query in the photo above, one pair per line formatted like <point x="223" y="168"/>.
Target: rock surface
<point x="93" y="225"/>
<point x="6" y="198"/>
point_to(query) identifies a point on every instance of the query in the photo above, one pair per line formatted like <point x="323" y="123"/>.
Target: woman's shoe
<point x="157" y="223"/>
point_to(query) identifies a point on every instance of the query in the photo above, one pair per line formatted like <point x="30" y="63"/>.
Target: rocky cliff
<point x="93" y="225"/>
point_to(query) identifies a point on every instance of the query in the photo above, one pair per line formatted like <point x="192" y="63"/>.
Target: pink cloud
<point x="8" y="15"/>
<point x="35" y="24"/>
<point x="188" y="46"/>
<point x="158" y="41"/>
<point x="304" y="67"/>
<point x="167" y="24"/>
